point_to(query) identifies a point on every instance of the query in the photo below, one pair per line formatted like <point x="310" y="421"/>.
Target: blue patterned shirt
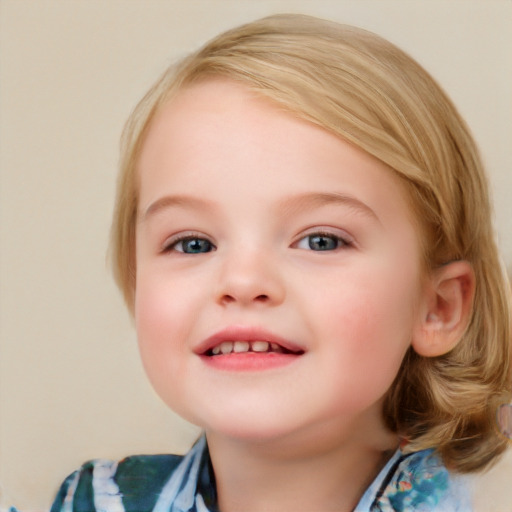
<point x="416" y="482"/>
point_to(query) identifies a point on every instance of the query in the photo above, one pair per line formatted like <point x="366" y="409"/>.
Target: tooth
<point x="226" y="347"/>
<point x="216" y="350"/>
<point x="275" y="347"/>
<point x="241" y="346"/>
<point x="259" y="346"/>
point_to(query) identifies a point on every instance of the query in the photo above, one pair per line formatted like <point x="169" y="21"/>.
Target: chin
<point x="249" y="431"/>
<point x="240" y="426"/>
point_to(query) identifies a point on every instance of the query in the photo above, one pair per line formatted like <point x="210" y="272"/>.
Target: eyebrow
<point x="181" y="201"/>
<point x="288" y="206"/>
<point x="318" y="199"/>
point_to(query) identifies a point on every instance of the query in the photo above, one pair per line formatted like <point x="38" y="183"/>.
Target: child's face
<point x="257" y="228"/>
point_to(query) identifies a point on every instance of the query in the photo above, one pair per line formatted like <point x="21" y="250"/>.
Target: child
<point x="302" y="233"/>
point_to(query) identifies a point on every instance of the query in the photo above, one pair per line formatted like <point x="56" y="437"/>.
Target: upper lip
<point x="245" y="333"/>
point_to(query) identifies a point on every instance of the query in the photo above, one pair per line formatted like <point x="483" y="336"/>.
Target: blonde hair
<point x="365" y="90"/>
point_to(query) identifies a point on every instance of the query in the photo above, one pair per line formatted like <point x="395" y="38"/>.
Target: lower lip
<point x="249" y="361"/>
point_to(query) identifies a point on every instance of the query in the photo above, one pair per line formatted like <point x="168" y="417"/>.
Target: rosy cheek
<point x="162" y="314"/>
<point x="155" y="334"/>
<point x="151" y="317"/>
<point x="370" y="311"/>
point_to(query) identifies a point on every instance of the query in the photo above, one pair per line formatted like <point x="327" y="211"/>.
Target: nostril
<point x="229" y="299"/>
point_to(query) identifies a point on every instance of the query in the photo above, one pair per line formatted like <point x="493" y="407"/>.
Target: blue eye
<point x="322" y="242"/>
<point x="192" y="245"/>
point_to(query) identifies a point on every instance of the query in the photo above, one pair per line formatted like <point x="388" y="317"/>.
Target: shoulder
<point x="132" y="484"/>
<point x="420" y="481"/>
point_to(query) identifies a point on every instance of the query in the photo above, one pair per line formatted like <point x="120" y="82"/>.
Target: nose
<point x="250" y="278"/>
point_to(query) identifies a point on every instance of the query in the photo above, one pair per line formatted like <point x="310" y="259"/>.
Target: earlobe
<point x="446" y="309"/>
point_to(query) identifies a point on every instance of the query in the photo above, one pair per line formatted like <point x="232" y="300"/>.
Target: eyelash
<point x="341" y="242"/>
<point x="171" y="245"/>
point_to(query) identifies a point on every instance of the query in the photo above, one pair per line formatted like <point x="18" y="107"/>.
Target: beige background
<point x="71" y="386"/>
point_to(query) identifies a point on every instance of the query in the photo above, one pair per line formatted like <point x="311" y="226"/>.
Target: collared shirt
<point x="416" y="482"/>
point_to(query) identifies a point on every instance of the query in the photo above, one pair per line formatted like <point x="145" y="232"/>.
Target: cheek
<point x="372" y="333"/>
<point x="369" y="317"/>
<point x="152" y="312"/>
<point x="162" y="304"/>
<point x="159" y="322"/>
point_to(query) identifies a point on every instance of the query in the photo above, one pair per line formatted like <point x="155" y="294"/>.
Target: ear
<point x="446" y="309"/>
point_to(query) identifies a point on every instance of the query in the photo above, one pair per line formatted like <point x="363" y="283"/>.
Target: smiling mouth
<point x="248" y="347"/>
<point x="240" y="349"/>
<point x="238" y="341"/>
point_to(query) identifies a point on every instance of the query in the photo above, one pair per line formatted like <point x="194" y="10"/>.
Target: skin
<point x="252" y="185"/>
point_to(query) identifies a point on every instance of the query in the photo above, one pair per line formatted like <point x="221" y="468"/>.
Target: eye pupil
<point x="196" y="245"/>
<point x="322" y="243"/>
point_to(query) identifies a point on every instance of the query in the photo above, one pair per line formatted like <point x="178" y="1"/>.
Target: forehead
<point x="219" y="131"/>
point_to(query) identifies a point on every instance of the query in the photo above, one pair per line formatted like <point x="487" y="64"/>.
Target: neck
<point x="326" y="473"/>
